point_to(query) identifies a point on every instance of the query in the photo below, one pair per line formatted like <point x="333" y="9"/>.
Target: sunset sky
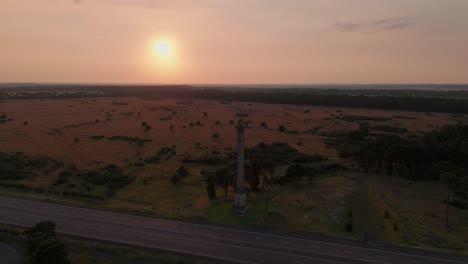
<point x="234" y="41"/>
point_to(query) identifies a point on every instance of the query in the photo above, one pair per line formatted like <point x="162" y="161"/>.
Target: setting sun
<point x="162" y="58"/>
<point x="163" y="49"/>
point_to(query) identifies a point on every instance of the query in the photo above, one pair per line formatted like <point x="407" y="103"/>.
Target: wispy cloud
<point x="389" y="24"/>
<point x="347" y="26"/>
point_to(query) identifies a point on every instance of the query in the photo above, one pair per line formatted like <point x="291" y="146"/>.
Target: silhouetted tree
<point x="43" y="246"/>
<point x="211" y="187"/>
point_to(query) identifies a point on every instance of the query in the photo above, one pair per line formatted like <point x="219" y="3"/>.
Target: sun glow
<point x="163" y="49"/>
<point x="162" y="59"/>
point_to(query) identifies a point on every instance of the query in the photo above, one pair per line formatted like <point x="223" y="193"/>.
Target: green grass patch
<point x="220" y="212"/>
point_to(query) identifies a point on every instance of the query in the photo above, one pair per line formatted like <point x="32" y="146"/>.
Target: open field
<point x="91" y="133"/>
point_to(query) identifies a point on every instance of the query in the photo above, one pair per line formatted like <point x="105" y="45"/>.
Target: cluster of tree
<point x="259" y="168"/>
<point x="392" y="129"/>
<point x="17" y="166"/>
<point x="129" y="139"/>
<point x="354" y="118"/>
<point x="439" y="154"/>
<point x="392" y="99"/>
<point x="4" y="118"/>
<point x="50" y="94"/>
<point x="164" y="153"/>
<point x="43" y="246"/>
<point x="424" y="98"/>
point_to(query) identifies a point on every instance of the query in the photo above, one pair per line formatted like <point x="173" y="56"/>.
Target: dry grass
<point x="419" y="208"/>
<point x="320" y="206"/>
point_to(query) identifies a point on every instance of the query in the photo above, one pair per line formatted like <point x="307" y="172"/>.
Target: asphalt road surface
<point x="219" y="243"/>
<point x="8" y="255"/>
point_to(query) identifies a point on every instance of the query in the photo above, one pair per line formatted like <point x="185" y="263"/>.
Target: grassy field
<point x="78" y="131"/>
<point x="416" y="209"/>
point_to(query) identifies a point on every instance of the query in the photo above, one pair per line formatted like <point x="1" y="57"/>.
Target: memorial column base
<point x="239" y="207"/>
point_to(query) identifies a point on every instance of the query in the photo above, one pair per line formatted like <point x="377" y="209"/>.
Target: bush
<point x="281" y="128"/>
<point x="183" y="171"/>
<point x="175" y="179"/>
<point x="460" y="204"/>
<point x="263" y="124"/>
<point x="215" y="135"/>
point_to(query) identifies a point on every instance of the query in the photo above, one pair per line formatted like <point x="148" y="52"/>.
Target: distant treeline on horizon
<point x="438" y="98"/>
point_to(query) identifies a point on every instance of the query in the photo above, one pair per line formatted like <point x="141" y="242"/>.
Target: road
<point x="220" y="243"/>
<point x="8" y="254"/>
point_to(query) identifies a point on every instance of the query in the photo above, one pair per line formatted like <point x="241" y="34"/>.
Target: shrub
<point x="175" y="179"/>
<point x="263" y="124"/>
<point x="281" y="128"/>
<point x="215" y="135"/>
<point x="460" y="204"/>
<point x="183" y="171"/>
